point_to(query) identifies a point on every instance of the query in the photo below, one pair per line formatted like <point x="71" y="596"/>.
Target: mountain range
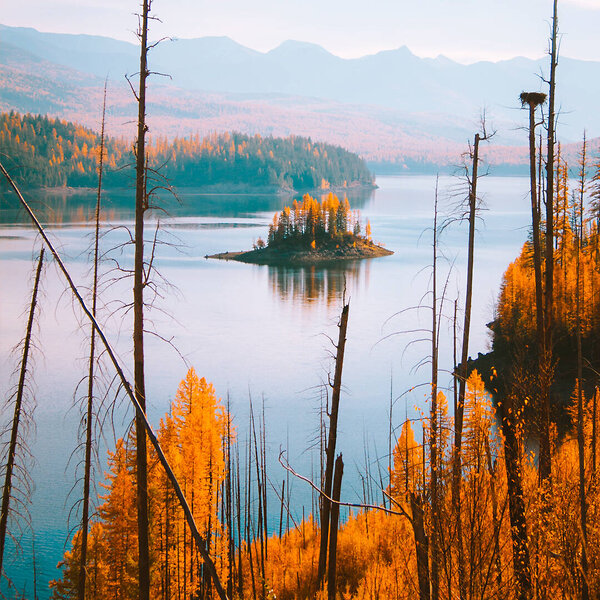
<point x="391" y="107"/>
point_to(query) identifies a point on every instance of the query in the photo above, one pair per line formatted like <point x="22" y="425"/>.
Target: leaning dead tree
<point x="16" y="422"/>
<point x="199" y="541"/>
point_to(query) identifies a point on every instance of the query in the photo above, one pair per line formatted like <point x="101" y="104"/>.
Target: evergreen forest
<point x="42" y="151"/>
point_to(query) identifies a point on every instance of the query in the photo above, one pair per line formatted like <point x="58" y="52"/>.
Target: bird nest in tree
<point x="532" y="98"/>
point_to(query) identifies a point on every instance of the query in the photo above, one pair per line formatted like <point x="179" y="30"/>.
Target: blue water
<point x="252" y="330"/>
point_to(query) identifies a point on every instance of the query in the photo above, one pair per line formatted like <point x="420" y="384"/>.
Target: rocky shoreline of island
<point x="356" y="249"/>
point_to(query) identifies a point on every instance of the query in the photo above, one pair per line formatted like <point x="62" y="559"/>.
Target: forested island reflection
<point x="314" y="283"/>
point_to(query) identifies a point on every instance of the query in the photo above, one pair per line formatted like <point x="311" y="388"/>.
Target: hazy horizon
<point x="460" y="31"/>
<point x="297" y="41"/>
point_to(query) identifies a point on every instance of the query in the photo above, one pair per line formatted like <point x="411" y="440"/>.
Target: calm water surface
<point x="254" y="331"/>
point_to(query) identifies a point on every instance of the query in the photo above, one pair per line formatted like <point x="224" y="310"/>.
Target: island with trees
<point x="311" y="232"/>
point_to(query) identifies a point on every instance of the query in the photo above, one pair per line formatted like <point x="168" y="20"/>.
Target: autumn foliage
<point x="376" y="548"/>
<point x="311" y="222"/>
<point x="194" y="436"/>
<point x="576" y="297"/>
<point x="54" y="153"/>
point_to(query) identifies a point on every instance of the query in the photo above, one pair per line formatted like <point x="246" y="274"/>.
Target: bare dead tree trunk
<point x="265" y="479"/>
<point x="333" y="530"/>
<point x="459" y="413"/>
<point x="240" y="573"/>
<point x="229" y="505"/>
<point x="422" y="545"/>
<point x="516" y="502"/>
<point x="594" y="432"/>
<point x="260" y="482"/>
<point x="580" y="413"/>
<point x="497" y="523"/>
<point x="545" y="459"/>
<point x="533" y="99"/>
<point x="433" y="420"/>
<point x="331" y="442"/>
<point x="281" y="509"/>
<point x="141" y="203"/>
<point x="14" y="433"/>
<point x="91" y="368"/>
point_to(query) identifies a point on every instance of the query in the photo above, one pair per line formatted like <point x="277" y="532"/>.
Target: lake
<point x="254" y="331"/>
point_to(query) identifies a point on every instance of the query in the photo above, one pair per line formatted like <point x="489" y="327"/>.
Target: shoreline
<point x="212" y="189"/>
<point x="324" y="256"/>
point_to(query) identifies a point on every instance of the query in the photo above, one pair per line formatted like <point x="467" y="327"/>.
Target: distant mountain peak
<point x="296" y="46"/>
<point x="442" y="59"/>
<point x="217" y="40"/>
<point x="395" y="86"/>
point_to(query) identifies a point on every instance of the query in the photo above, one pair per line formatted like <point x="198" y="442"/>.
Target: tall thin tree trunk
<point x="138" y="317"/>
<point x="281" y="509"/>
<point x="516" y="502"/>
<point x="530" y="100"/>
<point x="331" y="442"/>
<point x="458" y="418"/>
<point x="580" y="413"/>
<point x="14" y="433"/>
<point x="594" y="432"/>
<point x="265" y="479"/>
<point x="422" y="545"/>
<point x="229" y="519"/>
<point x="433" y="420"/>
<point x="497" y="523"/>
<point x="545" y="459"/>
<point x="259" y="487"/>
<point x="91" y="369"/>
<point x="333" y="530"/>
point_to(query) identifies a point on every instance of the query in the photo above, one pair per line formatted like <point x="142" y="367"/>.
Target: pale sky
<point x="464" y="30"/>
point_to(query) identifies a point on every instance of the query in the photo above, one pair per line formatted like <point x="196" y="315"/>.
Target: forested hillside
<point x="50" y="152"/>
<point x="576" y="304"/>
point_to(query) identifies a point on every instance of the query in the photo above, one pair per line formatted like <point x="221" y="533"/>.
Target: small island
<point x="312" y="232"/>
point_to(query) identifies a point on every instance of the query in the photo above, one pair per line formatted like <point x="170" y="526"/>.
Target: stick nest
<point x="532" y="98"/>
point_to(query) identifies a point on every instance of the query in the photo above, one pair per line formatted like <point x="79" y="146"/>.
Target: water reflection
<point x="313" y="284"/>
<point x="65" y="206"/>
<point x="56" y="207"/>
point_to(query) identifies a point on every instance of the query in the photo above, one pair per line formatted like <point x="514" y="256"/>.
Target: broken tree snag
<point x="463" y="374"/>
<point x="516" y="502"/>
<point x="331" y="442"/>
<point x="333" y="529"/>
<point x="422" y="545"/>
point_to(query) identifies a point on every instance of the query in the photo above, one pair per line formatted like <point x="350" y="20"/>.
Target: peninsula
<point x="51" y="153"/>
